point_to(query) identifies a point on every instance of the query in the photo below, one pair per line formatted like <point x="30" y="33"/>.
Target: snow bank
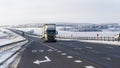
<point x="6" y="54"/>
<point x="101" y="42"/>
<point x="7" y="36"/>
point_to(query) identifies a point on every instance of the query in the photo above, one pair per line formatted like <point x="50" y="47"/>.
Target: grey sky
<point x="41" y="11"/>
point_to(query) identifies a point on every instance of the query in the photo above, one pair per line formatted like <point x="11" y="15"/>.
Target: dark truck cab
<point x="49" y="33"/>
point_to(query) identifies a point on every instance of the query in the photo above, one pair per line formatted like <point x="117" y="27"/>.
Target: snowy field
<point x="38" y="31"/>
<point x="79" y="34"/>
<point x="6" y="54"/>
<point x="7" y="37"/>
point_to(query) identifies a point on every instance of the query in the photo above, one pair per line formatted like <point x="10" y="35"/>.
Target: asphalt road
<point x="69" y="54"/>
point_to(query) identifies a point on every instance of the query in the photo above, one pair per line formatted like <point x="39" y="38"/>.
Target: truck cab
<point x="49" y="33"/>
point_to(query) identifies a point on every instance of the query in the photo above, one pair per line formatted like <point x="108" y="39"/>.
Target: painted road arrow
<point x="43" y="61"/>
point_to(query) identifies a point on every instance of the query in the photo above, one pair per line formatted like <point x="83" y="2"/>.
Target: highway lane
<point x="69" y="54"/>
<point x="58" y="58"/>
<point x="105" y="55"/>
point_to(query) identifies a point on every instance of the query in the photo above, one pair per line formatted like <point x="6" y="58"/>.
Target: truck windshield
<point x="51" y="32"/>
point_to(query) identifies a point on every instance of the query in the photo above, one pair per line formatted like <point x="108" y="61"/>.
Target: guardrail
<point x="9" y="46"/>
<point x="86" y="38"/>
<point x="5" y="48"/>
<point x="91" y="38"/>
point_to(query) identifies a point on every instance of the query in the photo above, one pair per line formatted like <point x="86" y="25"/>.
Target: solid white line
<point x="29" y="42"/>
<point x="89" y="67"/>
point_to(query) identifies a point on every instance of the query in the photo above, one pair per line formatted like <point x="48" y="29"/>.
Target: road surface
<point x="69" y="54"/>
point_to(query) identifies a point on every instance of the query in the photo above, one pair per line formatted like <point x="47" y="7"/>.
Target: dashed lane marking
<point x="41" y="50"/>
<point x="69" y="57"/>
<point x="63" y="54"/>
<point x="108" y="47"/>
<point x="33" y="51"/>
<point x="49" y="50"/>
<point x="78" y="48"/>
<point x="89" y="47"/>
<point x="59" y="51"/>
<point x="78" y="61"/>
<point x="52" y="48"/>
<point x="108" y="58"/>
<point x="56" y="49"/>
<point x="89" y="67"/>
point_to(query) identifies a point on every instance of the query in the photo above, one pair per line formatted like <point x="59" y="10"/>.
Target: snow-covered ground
<point x="6" y="54"/>
<point x="102" y="42"/>
<point x="7" y="36"/>
<point x="78" y="34"/>
<point x="38" y="31"/>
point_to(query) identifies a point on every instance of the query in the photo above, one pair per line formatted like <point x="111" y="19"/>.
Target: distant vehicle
<point x="30" y="32"/>
<point x="49" y="33"/>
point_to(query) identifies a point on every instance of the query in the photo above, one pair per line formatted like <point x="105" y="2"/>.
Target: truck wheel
<point x="43" y="39"/>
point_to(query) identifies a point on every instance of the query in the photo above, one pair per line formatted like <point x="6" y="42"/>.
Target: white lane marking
<point x="59" y="51"/>
<point x="69" y="57"/>
<point x="36" y="62"/>
<point x="56" y="49"/>
<point x="89" y="67"/>
<point x="41" y="50"/>
<point x="63" y="54"/>
<point x="77" y="48"/>
<point x="49" y="50"/>
<point x="89" y="47"/>
<point x="43" y="61"/>
<point x="109" y="47"/>
<point x="33" y="51"/>
<point x="78" y="61"/>
<point x="108" y="58"/>
<point x="52" y="47"/>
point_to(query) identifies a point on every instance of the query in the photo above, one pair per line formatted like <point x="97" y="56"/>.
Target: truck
<point x="49" y="33"/>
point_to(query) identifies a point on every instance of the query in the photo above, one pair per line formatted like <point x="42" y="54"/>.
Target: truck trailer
<point x="49" y="33"/>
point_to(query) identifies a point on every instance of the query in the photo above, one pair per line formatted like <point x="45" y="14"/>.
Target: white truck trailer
<point x="49" y="33"/>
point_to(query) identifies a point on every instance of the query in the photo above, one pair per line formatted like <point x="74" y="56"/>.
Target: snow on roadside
<point x="2" y="35"/>
<point x="6" y="64"/>
<point x="101" y="42"/>
<point x="6" y="54"/>
<point x="38" y="31"/>
<point x="78" y="34"/>
<point x="7" y="36"/>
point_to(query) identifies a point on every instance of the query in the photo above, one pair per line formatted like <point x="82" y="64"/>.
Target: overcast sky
<point x="42" y="11"/>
